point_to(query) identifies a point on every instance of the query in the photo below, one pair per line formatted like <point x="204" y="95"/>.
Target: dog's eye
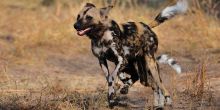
<point x="78" y="17"/>
<point x="89" y="18"/>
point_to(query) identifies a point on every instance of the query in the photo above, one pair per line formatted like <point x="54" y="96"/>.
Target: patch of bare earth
<point x="66" y="82"/>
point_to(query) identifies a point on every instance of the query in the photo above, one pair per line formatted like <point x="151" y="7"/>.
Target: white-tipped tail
<point x="164" y="59"/>
<point x="180" y="7"/>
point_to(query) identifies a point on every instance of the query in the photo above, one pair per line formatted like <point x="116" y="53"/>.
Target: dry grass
<point x="41" y="63"/>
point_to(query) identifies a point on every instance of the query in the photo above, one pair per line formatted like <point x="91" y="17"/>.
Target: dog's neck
<point x="98" y="33"/>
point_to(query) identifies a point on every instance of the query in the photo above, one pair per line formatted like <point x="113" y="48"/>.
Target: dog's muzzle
<point x="79" y="29"/>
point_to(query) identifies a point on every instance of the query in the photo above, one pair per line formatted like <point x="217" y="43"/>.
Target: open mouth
<point x="83" y="32"/>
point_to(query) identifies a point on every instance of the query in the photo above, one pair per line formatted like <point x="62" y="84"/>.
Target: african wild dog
<point x="131" y="46"/>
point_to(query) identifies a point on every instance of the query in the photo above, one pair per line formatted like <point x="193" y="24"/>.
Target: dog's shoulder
<point x="135" y="28"/>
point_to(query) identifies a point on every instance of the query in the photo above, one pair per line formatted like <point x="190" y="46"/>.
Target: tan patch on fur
<point x="155" y="74"/>
<point x="153" y="24"/>
<point x="94" y="12"/>
<point x="121" y="27"/>
<point x="140" y="29"/>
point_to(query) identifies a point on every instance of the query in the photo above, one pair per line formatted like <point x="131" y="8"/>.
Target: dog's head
<point x="91" y="19"/>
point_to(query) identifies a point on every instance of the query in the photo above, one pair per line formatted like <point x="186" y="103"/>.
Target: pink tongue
<point x="83" y="32"/>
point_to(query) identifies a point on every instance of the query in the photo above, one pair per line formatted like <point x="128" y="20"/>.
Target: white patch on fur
<point x="120" y="59"/>
<point x="122" y="76"/>
<point x="156" y="98"/>
<point x="161" y="98"/>
<point x="170" y="61"/>
<point x="111" y="101"/>
<point x="107" y="36"/>
<point x="127" y="75"/>
<point x="110" y="79"/>
<point x="130" y="82"/>
<point x="97" y="50"/>
<point x="174" y="66"/>
<point x="168" y="101"/>
<point x="151" y="39"/>
<point x="177" y="68"/>
<point x="126" y="50"/>
<point x="180" y="7"/>
<point x="164" y="59"/>
<point x="104" y="49"/>
<point x="111" y="90"/>
<point x="105" y="70"/>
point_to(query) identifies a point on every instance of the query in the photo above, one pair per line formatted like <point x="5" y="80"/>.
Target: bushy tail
<point x="164" y="59"/>
<point x="169" y="12"/>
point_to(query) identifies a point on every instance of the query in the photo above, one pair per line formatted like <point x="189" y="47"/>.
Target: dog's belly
<point x="109" y="55"/>
<point x="104" y="52"/>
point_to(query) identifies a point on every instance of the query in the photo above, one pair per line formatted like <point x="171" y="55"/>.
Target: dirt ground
<point x="44" y="65"/>
<point x="80" y="79"/>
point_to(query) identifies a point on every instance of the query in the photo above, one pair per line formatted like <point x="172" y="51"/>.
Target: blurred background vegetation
<point x="49" y="22"/>
<point x="211" y="7"/>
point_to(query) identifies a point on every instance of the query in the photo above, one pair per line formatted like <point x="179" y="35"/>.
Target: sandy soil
<point x="82" y="74"/>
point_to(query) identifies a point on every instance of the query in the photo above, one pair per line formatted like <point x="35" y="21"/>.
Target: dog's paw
<point x="168" y="101"/>
<point x="124" y="90"/>
<point x="158" y="108"/>
<point x="117" y="86"/>
<point x="112" y="103"/>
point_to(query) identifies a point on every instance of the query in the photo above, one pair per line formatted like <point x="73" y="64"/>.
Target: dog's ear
<point x="89" y="5"/>
<point x="105" y="11"/>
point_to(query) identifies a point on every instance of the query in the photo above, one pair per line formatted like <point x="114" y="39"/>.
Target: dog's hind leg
<point x="142" y="71"/>
<point x="146" y="79"/>
<point x="159" y="98"/>
<point x="128" y="76"/>
<point x="153" y="69"/>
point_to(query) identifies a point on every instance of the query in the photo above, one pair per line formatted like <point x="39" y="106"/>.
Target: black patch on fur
<point x="143" y="71"/>
<point x="158" y="58"/>
<point x="173" y="62"/>
<point x="160" y="19"/>
<point x="110" y="84"/>
<point x="115" y="28"/>
<point x="86" y="10"/>
<point x="130" y="28"/>
<point x="89" y="5"/>
<point x="111" y="96"/>
<point x="131" y="70"/>
<point x="125" y="80"/>
<point x="145" y="26"/>
<point x="124" y="90"/>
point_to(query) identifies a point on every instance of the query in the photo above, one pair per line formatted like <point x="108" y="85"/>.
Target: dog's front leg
<point x="112" y="77"/>
<point x="104" y="66"/>
<point x="111" y="93"/>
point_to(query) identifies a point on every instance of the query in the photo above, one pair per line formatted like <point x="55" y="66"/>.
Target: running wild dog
<point x="130" y="46"/>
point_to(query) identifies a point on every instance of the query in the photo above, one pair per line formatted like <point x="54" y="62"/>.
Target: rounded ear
<point x="89" y="5"/>
<point x="105" y="11"/>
